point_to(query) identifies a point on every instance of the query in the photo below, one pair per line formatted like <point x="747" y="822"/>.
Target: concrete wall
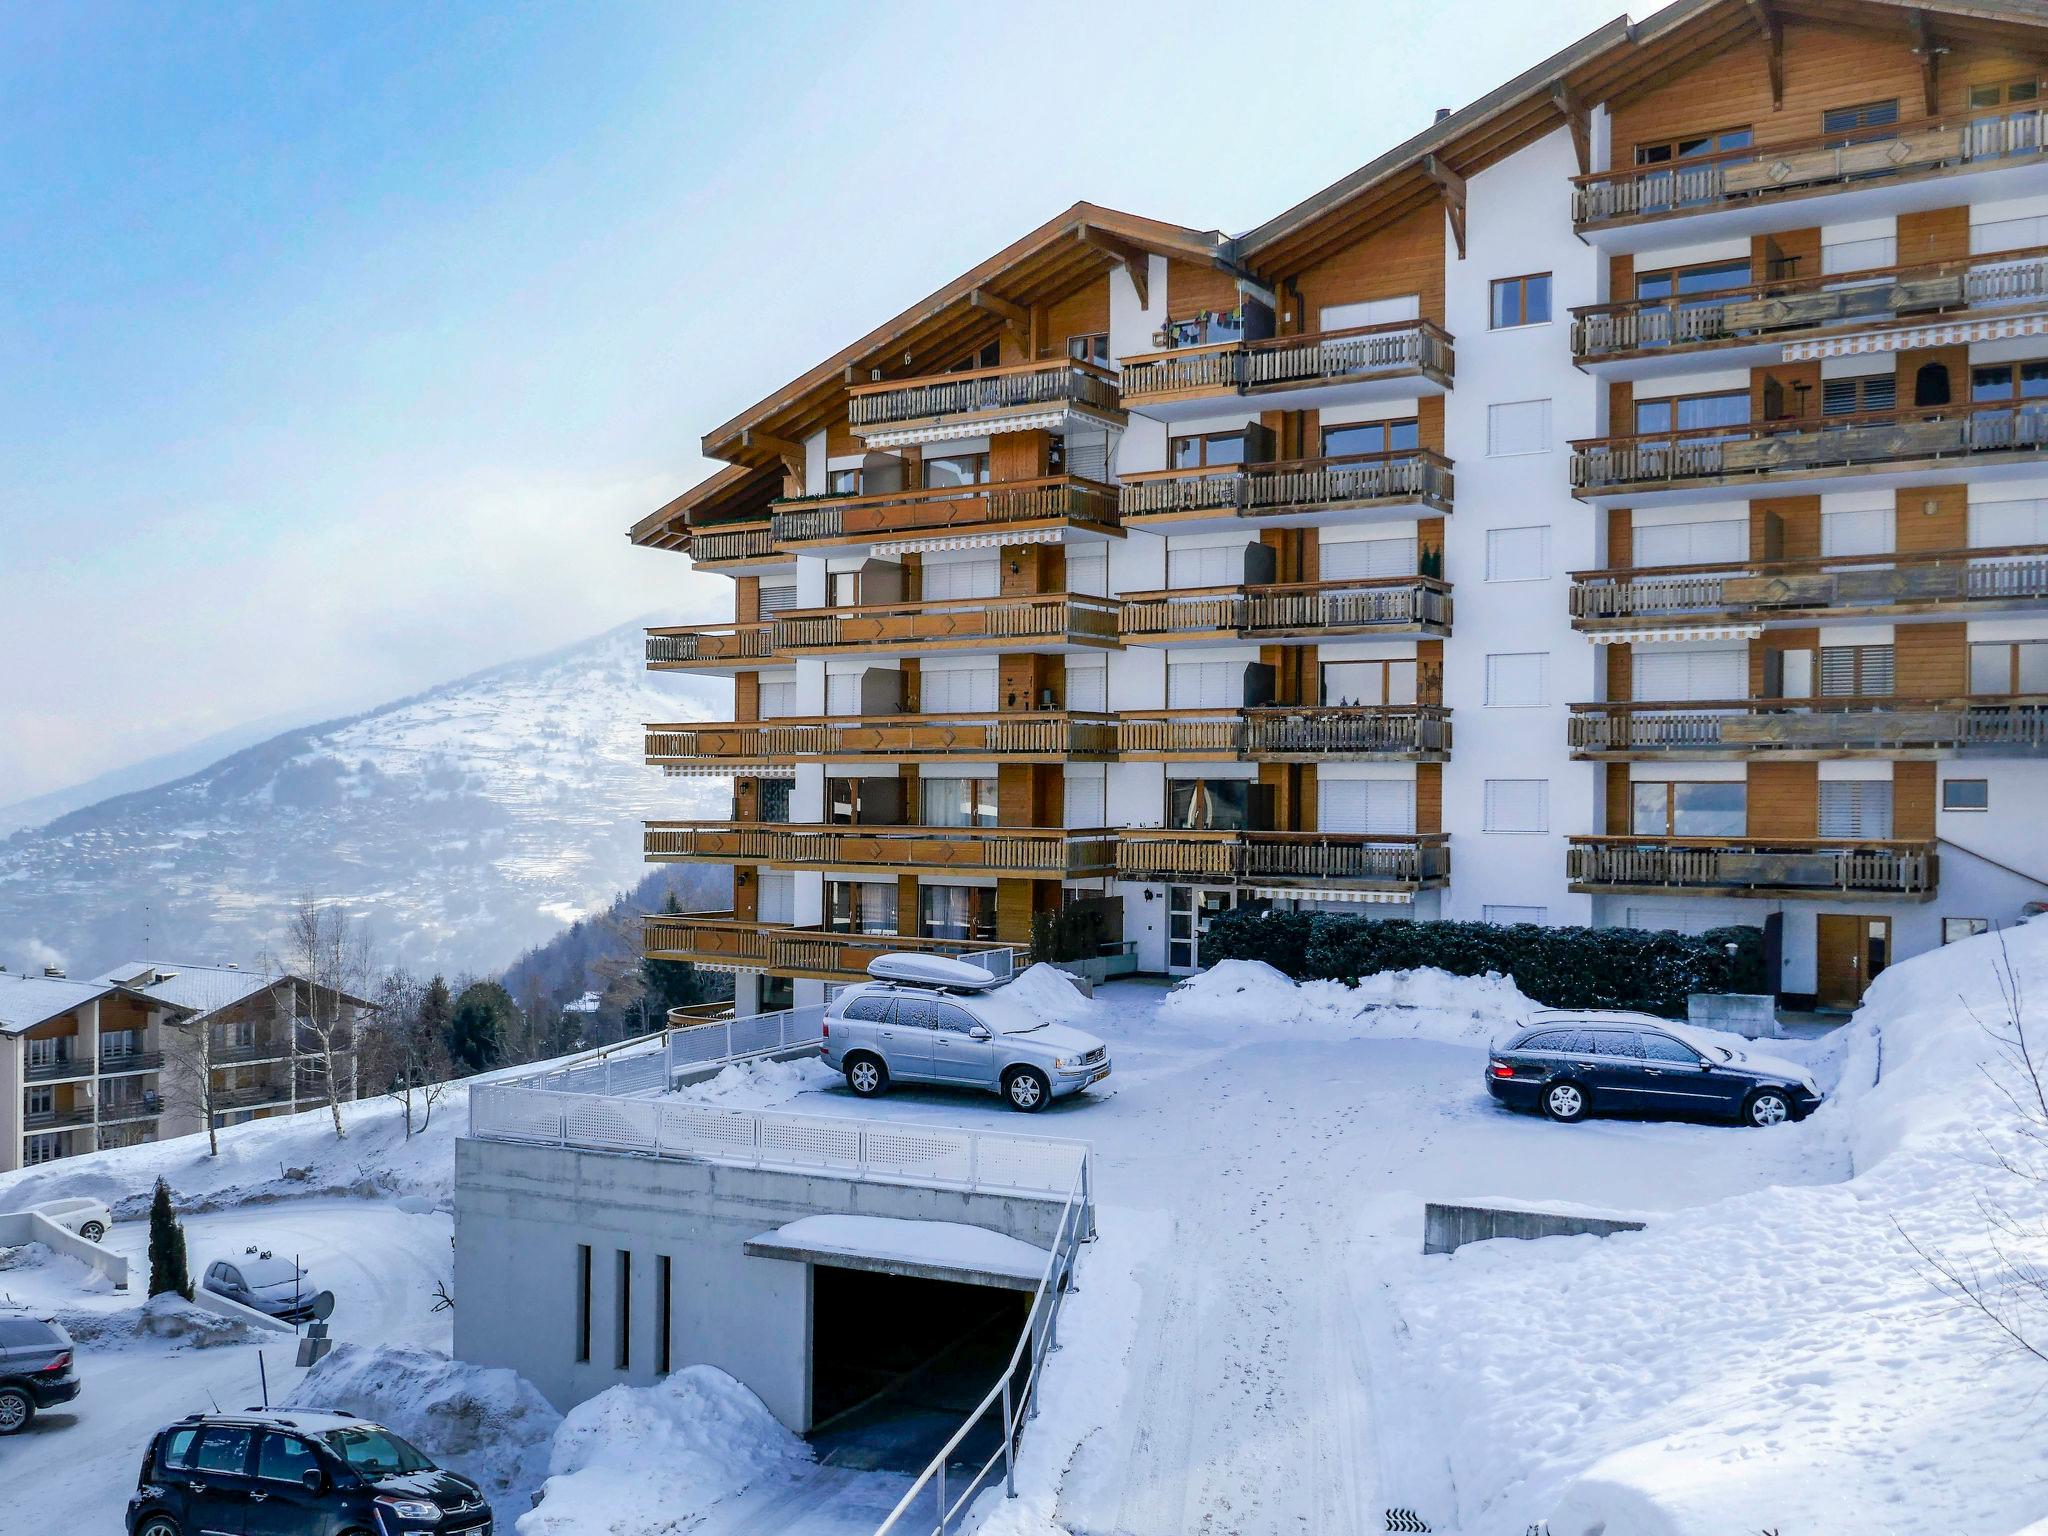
<point x="1447" y="1228"/>
<point x="20" y="1227"/>
<point x="521" y="1212"/>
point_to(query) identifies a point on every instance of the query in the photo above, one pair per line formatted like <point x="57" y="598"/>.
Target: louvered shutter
<point x="1088" y="687"/>
<point x="958" y="692"/>
<point x="842" y="694"/>
<point x="778" y="598"/>
<point x="1362" y="559"/>
<point x="1205" y="567"/>
<point x="962" y="579"/>
<point x="1371" y="806"/>
<point x="1204" y="685"/>
<point x="1856" y="808"/>
<point x="1085" y="800"/>
<point x="1088" y="571"/>
<point x="1856" y="533"/>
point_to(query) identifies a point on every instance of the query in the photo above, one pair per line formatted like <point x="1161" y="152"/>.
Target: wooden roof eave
<point x="667" y="527"/>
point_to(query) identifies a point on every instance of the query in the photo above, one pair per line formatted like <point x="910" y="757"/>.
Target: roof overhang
<point x="919" y="1250"/>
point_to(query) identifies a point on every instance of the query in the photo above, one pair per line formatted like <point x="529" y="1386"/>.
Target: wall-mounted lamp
<point x="1150" y="894"/>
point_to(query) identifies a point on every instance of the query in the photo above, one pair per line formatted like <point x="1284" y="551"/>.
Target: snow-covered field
<point x="1258" y="1344"/>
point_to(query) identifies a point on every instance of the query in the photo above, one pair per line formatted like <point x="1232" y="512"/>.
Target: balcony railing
<point x="54" y="1071"/>
<point x="133" y="1061"/>
<point x="948" y="509"/>
<point x="1985" y="724"/>
<point x="261" y="1096"/>
<point x="1705" y="457"/>
<point x="1027" y="737"/>
<point x="1289" y="488"/>
<point x="57" y="1119"/>
<point x="1055" y="618"/>
<point x="1392" y="350"/>
<point x="1392" y="732"/>
<point x="261" y="1050"/>
<point x="1042" y="852"/>
<point x="1780" y="311"/>
<point x="727" y="546"/>
<point x="1748" y="866"/>
<point x="709" y="645"/>
<point x="1929" y="581"/>
<point x="980" y="392"/>
<point x="1734" y="178"/>
<point x="1410" y="861"/>
<point x="1304" y="609"/>
<point x="716" y="941"/>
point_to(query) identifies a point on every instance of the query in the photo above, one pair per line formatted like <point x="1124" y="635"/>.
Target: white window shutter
<point x="1856" y="533"/>
<point x="1517" y="805"/>
<point x="1721" y="542"/>
<point x="958" y="692"/>
<point x="1088" y="570"/>
<point x="1363" y="559"/>
<point x="1088" y="687"/>
<point x="1085" y="800"/>
<point x="778" y="598"/>
<point x="1205" y="685"/>
<point x="1205" y="567"/>
<point x="1516" y="427"/>
<point x="1518" y="554"/>
<point x="842" y="693"/>
<point x="1343" y="317"/>
<point x="963" y="578"/>
<point x="1369" y="806"/>
<point x="1518" y="680"/>
<point x="1999" y="524"/>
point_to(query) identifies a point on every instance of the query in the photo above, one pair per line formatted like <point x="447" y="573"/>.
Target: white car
<point x="88" y="1217"/>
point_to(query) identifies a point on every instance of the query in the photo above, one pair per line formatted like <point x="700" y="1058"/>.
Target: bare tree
<point x="327" y="967"/>
<point x="404" y="1052"/>
<point x="187" y="1077"/>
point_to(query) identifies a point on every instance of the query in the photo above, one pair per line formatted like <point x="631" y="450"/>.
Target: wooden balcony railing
<point x="1305" y="608"/>
<point x="1413" y="860"/>
<point x="1778" y="311"/>
<point x="715" y="940"/>
<point x="1289" y="487"/>
<point x="1393" y="732"/>
<point x="1028" y="737"/>
<point x="1742" y="455"/>
<point x="724" y="546"/>
<point x="1922" y="581"/>
<point x="977" y="392"/>
<point x="1061" y="618"/>
<point x="1733" y="178"/>
<point x="1985" y="724"/>
<point x="950" y="508"/>
<point x="1749" y="866"/>
<point x="709" y="645"/>
<point x="1047" y="852"/>
<point x="1396" y="348"/>
<point x="712" y="938"/>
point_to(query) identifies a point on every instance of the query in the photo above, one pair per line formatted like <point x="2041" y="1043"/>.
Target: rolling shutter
<point x="958" y="692"/>
<point x="1361" y="559"/>
<point x="963" y="578"/>
<point x="1385" y="806"/>
<point x="1088" y="687"/>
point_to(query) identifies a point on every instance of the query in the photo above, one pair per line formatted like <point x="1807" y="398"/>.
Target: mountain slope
<point x="465" y="824"/>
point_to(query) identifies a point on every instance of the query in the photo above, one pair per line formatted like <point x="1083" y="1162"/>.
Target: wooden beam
<point x="1773" y="32"/>
<point x="1136" y="261"/>
<point x="1573" y="111"/>
<point x="1015" y="317"/>
<point x="1452" y="187"/>
<point x="1930" y="53"/>
<point x="791" y="454"/>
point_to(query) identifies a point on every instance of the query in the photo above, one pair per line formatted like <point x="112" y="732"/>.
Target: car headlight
<point x="410" y="1509"/>
<point x="1060" y="1063"/>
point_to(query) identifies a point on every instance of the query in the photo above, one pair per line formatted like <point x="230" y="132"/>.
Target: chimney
<point x="1442" y="113"/>
<point x="54" y="972"/>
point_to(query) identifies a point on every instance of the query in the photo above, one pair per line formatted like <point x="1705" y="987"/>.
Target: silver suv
<point x="930" y="1021"/>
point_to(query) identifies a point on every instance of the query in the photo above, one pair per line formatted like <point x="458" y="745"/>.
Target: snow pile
<point x="1050" y="993"/>
<point x="1426" y="1004"/>
<point x="170" y="1316"/>
<point x="488" y="1423"/>
<point x="1776" y="1360"/>
<point x="759" y="1084"/>
<point x="645" y="1459"/>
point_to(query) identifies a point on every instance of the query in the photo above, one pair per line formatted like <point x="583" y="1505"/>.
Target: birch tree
<point x="327" y="962"/>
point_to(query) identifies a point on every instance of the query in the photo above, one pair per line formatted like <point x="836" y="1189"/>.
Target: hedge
<point x="1651" y="971"/>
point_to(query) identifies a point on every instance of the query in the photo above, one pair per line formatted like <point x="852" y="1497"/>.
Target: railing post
<point x="942" y="1496"/>
<point x="1009" y="1431"/>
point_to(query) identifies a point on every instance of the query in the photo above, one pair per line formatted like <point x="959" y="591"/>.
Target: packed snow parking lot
<point x="1258" y="1343"/>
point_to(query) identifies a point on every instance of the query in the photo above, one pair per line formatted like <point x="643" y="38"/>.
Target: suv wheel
<point x="16" y="1409"/>
<point x="1027" y="1089"/>
<point x="158" y="1525"/>
<point x="93" y="1231"/>
<point x="866" y="1076"/>
<point x="1565" y="1102"/>
<point x="1769" y="1107"/>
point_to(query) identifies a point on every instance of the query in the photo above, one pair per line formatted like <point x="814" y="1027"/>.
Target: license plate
<point x="1100" y="1074"/>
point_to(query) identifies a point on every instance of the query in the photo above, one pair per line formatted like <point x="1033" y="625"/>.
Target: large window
<point x="1521" y="301"/>
<point x="1210" y="805"/>
<point x="860" y="906"/>
<point x="1697" y="284"/>
<point x="956" y="469"/>
<point x="1375" y="807"/>
<point x="42" y="1149"/>
<point x="956" y="912"/>
<point x="1720" y="542"/>
<point x="1851" y="397"/>
<point x="1856" y="808"/>
<point x="1204" y="450"/>
<point x="1682" y="808"/>
<point x="773" y="796"/>
<point x="1093" y="348"/>
<point x="1992" y="382"/>
<point x="1360" y="437"/>
<point x="1348" y="683"/>
<point x="875" y="802"/>
<point x="1692" y="145"/>
<point x="2009" y="666"/>
<point x="1692" y="413"/>
<point x="958" y="802"/>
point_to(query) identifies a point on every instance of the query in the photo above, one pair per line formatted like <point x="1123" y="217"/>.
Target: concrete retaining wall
<point x="213" y="1301"/>
<point x="20" y="1227"/>
<point x="1753" y="1015"/>
<point x="1447" y="1228"/>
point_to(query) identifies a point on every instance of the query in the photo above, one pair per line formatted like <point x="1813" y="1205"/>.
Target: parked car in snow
<point x="281" y="1287"/>
<point x="1571" y="1065"/>
<point x="296" y="1474"/>
<point x="88" y="1217"/>
<point x="35" y="1369"/>
<point x="927" y="1019"/>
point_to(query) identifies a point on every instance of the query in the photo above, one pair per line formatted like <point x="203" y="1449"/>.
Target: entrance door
<point x="1188" y="911"/>
<point x="1853" y="950"/>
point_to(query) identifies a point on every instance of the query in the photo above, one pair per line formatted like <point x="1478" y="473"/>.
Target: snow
<point x="949" y="1243"/>
<point x="1050" y="993"/>
<point x="1422" y="1004"/>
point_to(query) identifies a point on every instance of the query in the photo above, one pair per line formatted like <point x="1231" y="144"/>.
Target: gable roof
<point x="734" y="491"/>
<point x="26" y="1001"/>
<point x="200" y="990"/>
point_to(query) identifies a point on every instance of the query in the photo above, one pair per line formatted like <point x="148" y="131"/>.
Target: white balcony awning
<point x="1913" y="337"/>
<point x="968" y="541"/>
<point x="729" y="770"/>
<point x="1676" y="633"/>
<point x="1058" y="418"/>
<point x="1298" y="893"/>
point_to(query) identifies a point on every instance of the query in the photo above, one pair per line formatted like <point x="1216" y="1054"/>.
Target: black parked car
<point x="296" y="1474"/>
<point x="35" y="1370"/>
<point x="1570" y="1065"/>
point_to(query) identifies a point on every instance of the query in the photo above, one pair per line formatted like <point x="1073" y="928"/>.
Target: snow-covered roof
<point x="26" y="1001"/>
<point x="201" y="989"/>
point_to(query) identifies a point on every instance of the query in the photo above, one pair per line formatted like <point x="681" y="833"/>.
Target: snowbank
<point x="636" y="1460"/>
<point x="487" y="1423"/>
<point x="1050" y="993"/>
<point x="1423" y="1004"/>
<point x="760" y="1084"/>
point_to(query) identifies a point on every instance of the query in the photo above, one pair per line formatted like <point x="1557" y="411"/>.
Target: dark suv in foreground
<point x="1570" y="1065"/>
<point x="296" y="1474"/>
<point x="35" y="1370"/>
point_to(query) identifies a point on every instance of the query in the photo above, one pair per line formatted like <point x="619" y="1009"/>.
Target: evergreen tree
<point x="437" y="1011"/>
<point x="480" y="1025"/>
<point x="167" y="1267"/>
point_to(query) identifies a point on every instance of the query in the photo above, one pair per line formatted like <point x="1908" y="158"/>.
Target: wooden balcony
<point x="713" y="648"/>
<point x="1048" y="622"/>
<point x="1034" y="737"/>
<point x="737" y="549"/>
<point x="1351" y="860"/>
<point x="1772" y="868"/>
<point x="1792" y="729"/>
<point x="1813" y="454"/>
<point x="716" y="942"/>
<point x="1077" y="509"/>
<point x="1036" y="852"/>
<point x="1901" y="167"/>
<point x="1314" y="372"/>
<point x="1017" y="397"/>
<point x="2010" y="578"/>
<point x="1749" y="326"/>
<point x="1298" y="493"/>
<point x="1412" y="733"/>
<point x="1305" y="611"/>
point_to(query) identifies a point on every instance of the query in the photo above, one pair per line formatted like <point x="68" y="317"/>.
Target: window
<point x="1966" y="794"/>
<point x="1205" y="450"/>
<point x="116" y="1044"/>
<point x="1993" y="382"/>
<point x="916" y="1013"/>
<point x="1552" y="1040"/>
<point x="869" y="1008"/>
<point x="1869" y="114"/>
<point x="1692" y="283"/>
<point x="1087" y="685"/>
<point x="868" y="802"/>
<point x="1205" y="684"/>
<point x="956" y="469"/>
<point x="1364" y="559"/>
<point x="2009" y="666"/>
<point x="2009" y="93"/>
<point x="773" y="796"/>
<point x="1517" y="805"/>
<point x="664" y="1328"/>
<point x="2004" y="524"/>
<point x="1504" y="915"/>
<point x="1858" y="808"/>
<point x="285" y="1459"/>
<point x="954" y="1020"/>
<point x="1856" y="671"/>
<point x="860" y="906"/>
<point x="1372" y="437"/>
<point x="1518" y="680"/>
<point x="1518" y="554"/>
<point x="1623" y="1044"/>
<point x="776" y="993"/>
<point x="1662" y="1048"/>
<point x="1349" y="317"/>
<point x="47" y="1052"/>
<point x="961" y="579"/>
<point x="842" y="482"/>
<point x="1209" y="804"/>
<point x="1383" y="806"/>
<point x="1521" y="301"/>
<point x="1866" y="392"/>
<point x="1090" y="349"/>
<point x="1517" y="427"/>
<point x="1954" y="928"/>
<point x="1085" y="794"/>
<point x="778" y="597"/>
<point x="1684" y="808"/>
<point x="1212" y="567"/>
<point x="956" y="912"/>
<point x="957" y="690"/>
<point x="1685" y="674"/>
<point x="987" y="357"/>
<point x="42" y="1149"/>
<point x="583" y="1301"/>
<point x="221" y="1448"/>
<point x="958" y="802"/>
<point x="1716" y="543"/>
<point x="177" y="1451"/>
<point x="1663" y="151"/>
<point x="1870" y="531"/>
<point x="1368" y="683"/>
<point x="777" y="695"/>
<point x="42" y="1101"/>
<point x="1693" y="413"/>
<point x="623" y="1318"/>
<point x="1859" y="255"/>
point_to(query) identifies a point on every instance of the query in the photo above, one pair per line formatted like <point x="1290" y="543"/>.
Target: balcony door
<point x="1189" y="911"/>
<point x="1853" y="949"/>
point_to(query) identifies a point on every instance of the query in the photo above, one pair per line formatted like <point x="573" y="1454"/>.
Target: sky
<point x="340" y="343"/>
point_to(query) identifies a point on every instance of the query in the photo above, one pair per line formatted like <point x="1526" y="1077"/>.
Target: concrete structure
<point x="1447" y="1228"/>
<point x="18" y="1227"/>
<point x="1754" y="1015"/>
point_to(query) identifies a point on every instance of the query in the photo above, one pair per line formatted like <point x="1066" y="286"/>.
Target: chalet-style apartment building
<point x="1625" y="503"/>
<point x="147" y="1051"/>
